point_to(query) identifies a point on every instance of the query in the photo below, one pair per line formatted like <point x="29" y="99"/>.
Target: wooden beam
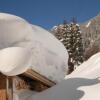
<point x="9" y="88"/>
<point x="36" y="76"/>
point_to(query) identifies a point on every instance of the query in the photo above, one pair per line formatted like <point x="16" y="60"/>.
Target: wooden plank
<point x="9" y="88"/>
<point x="34" y="75"/>
<point x="2" y="87"/>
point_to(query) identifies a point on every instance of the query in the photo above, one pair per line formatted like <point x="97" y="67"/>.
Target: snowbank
<point x="23" y="94"/>
<point x="49" y="56"/>
<point x="89" y="69"/>
<point x="82" y="84"/>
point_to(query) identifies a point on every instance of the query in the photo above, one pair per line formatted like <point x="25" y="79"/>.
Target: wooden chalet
<point x="39" y="83"/>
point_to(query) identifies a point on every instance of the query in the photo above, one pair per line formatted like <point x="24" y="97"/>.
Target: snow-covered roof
<point x="49" y="56"/>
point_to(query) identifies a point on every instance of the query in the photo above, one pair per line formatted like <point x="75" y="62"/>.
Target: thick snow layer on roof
<point x="49" y="56"/>
<point x="14" y="60"/>
<point x="49" y="41"/>
<point x="82" y="84"/>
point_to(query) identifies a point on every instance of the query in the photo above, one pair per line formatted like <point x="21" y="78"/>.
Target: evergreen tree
<point x="70" y="36"/>
<point x="76" y="43"/>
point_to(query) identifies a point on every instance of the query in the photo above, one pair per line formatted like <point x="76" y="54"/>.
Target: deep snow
<point x="49" y="56"/>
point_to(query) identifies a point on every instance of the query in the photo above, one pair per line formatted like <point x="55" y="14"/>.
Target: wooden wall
<point x="2" y="87"/>
<point x="6" y="88"/>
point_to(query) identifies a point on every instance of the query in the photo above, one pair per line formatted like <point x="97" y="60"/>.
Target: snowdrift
<point x="49" y="56"/>
<point x="82" y="84"/>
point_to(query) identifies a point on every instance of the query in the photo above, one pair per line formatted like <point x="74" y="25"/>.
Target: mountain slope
<point x="91" y="30"/>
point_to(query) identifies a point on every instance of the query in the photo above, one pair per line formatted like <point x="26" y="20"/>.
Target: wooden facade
<point x="6" y="87"/>
<point x="6" y="84"/>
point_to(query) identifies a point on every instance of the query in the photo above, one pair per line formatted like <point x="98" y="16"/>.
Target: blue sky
<point x="48" y="13"/>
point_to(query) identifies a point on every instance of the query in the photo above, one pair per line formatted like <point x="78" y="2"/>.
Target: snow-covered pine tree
<point x="76" y="55"/>
<point x="70" y="36"/>
<point x="61" y="31"/>
<point x="65" y="33"/>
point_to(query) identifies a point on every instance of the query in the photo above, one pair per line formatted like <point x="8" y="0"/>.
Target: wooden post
<point x="9" y="88"/>
<point x="2" y="87"/>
